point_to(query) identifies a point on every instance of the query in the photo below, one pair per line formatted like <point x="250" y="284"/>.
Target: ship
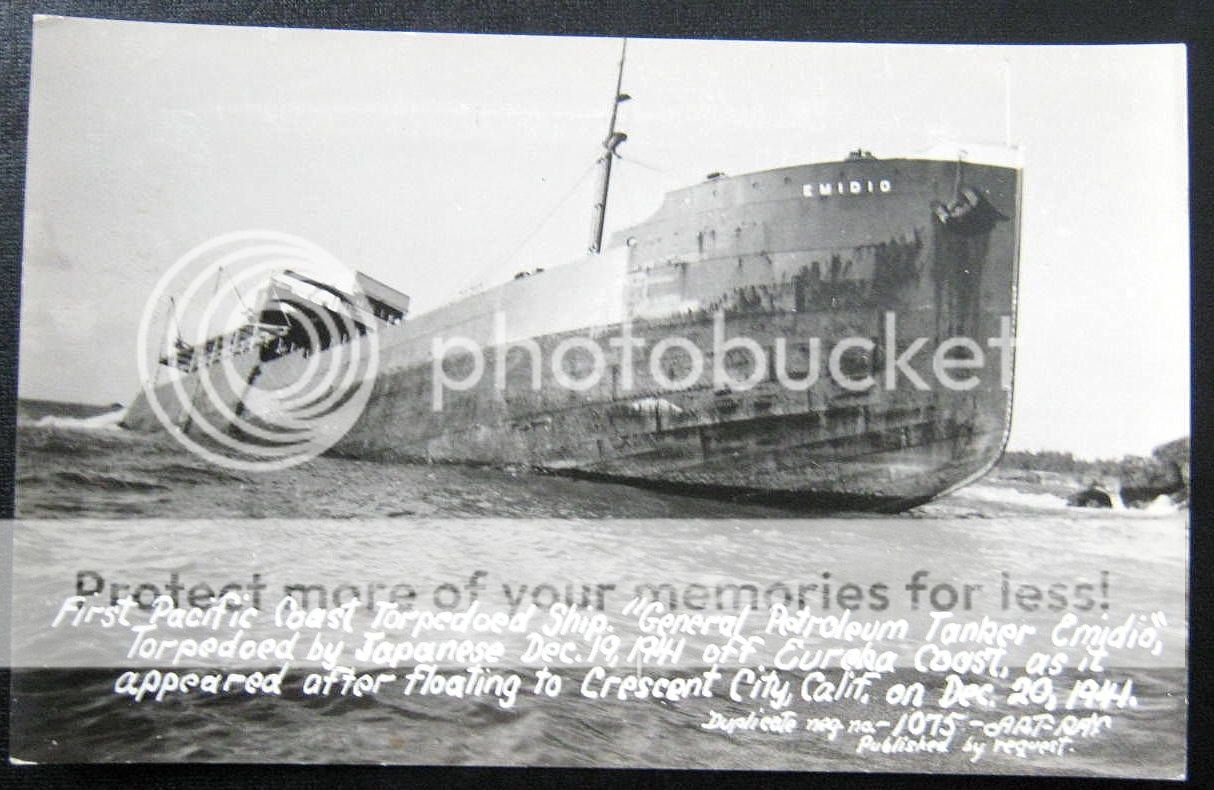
<point x="825" y="276"/>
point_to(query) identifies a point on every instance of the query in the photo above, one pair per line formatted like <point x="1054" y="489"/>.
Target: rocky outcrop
<point x="1139" y="480"/>
<point x="1175" y="455"/>
<point x="1145" y="479"/>
<point x="1134" y="480"/>
<point x="1094" y="495"/>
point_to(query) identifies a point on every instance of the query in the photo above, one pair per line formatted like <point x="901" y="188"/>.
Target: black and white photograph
<point x="424" y="398"/>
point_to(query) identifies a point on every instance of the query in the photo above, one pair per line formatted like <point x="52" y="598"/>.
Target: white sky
<point x="425" y="160"/>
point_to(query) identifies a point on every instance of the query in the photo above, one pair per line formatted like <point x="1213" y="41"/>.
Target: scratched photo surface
<point x="734" y="323"/>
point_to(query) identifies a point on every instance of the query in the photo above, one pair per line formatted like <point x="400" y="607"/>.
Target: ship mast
<point x="610" y="143"/>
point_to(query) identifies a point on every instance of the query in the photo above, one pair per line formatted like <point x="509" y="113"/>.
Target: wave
<point x="108" y="421"/>
<point x="190" y="474"/>
<point x="1012" y="496"/>
<point x="1160" y="505"/>
<point x="107" y="482"/>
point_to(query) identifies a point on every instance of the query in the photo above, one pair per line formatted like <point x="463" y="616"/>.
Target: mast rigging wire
<point x="560" y="203"/>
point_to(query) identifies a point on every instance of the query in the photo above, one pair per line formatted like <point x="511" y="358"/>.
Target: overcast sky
<point x="432" y="161"/>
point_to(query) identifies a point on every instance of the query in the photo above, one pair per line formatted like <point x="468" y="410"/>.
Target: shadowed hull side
<point x="792" y="439"/>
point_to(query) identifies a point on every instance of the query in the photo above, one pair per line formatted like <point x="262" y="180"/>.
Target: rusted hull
<point x="820" y="447"/>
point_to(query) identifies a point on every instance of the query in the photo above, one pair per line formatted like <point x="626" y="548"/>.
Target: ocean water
<point x="388" y="522"/>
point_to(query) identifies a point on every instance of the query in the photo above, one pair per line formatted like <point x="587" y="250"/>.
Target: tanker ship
<point x="832" y="336"/>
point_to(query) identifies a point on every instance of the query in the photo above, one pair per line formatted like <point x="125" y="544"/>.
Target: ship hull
<point x="824" y="447"/>
<point x="767" y="258"/>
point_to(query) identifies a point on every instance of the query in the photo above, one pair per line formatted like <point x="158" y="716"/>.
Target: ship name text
<point x="843" y="188"/>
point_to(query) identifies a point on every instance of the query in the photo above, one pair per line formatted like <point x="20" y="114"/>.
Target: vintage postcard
<point x="446" y="399"/>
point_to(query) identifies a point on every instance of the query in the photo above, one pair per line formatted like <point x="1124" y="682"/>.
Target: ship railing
<point x="189" y="358"/>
